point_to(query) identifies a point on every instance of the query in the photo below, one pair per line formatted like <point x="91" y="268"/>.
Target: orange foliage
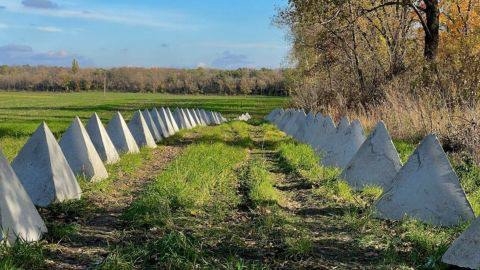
<point x="460" y="21"/>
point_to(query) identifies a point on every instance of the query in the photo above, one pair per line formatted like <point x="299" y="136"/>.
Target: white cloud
<point x="202" y="65"/>
<point x="18" y="54"/>
<point x="253" y="45"/>
<point x="51" y="29"/>
<point x="229" y="60"/>
<point x="126" y="16"/>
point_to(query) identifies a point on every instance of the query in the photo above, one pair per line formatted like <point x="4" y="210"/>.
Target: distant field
<point x="22" y="112"/>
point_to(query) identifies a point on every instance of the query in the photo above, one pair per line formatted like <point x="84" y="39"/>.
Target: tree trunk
<point x="432" y="33"/>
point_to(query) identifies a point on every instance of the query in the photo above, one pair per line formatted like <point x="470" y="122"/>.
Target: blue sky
<point x="163" y="33"/>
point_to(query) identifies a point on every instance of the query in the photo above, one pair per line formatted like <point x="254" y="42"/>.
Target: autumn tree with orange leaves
<point x="348" y="52"/>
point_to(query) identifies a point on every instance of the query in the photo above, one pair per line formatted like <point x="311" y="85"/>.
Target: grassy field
<point x="22" y="112"/>
<point x="235" y="196"/>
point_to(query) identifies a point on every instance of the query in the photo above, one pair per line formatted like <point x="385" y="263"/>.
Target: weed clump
<point x="22" y="255"/>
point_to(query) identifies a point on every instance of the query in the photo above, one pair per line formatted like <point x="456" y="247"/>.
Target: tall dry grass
<point x="410" y="115"/>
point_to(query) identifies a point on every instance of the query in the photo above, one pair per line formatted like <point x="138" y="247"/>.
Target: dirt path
<point x="99" y="225"/>
<point x="333" y="242"/>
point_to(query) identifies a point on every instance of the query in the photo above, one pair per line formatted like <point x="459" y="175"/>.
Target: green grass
<point x="22" y="255"/>
<point x="260" y="184"/>
<point x="60" y="231"/>
<point x="302" y="159"/>
<point x="127" y="167"/>
<point x="203" y="176"/>
<point x="406" y="242"/>
<point x="404" y="149"/>
<point x="22" y="112"/>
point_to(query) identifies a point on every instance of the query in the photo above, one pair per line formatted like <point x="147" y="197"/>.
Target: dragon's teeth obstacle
<point x="140" y="132"/>
<point x="181" y="119"/>
<point x="44" y="171"/>
<point x="301" y="133"/>
<point x="464" y="251"/>
<point x="172" y="120"/>
<point x="195" y="117"/>
<point x="344" y="146"/>
<point x="186" y="119"/>
<point x="322" y="137"/>
<point x="81" y="153"/>
<point x="152" y="126"/>
<point x="204" y="116"/>
<point x="200" y="117"/>
<point x="190" y="118"/>
<point x="294" y="124"/>
<point x="18" y="216"/>
<point x="343" y="125"/>
<point x="161" y="119"/>
<point x="376" y="162"/>
<point x="426" y="188"/>
<point x="121" y="136"/>
<point x="101" y="140"/>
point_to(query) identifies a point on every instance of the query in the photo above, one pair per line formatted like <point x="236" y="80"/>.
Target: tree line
<point x="155" y="80"/>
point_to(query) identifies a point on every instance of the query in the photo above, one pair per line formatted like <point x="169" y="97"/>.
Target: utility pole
<point x="104" y="82"/>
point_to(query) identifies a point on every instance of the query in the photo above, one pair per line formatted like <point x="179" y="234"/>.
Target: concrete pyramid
<point x="180" y="119"/>
<point x="282" y="123"/>
<point x="140" y="132"/>
<point x="326" y="135"/>
<point x="204" y="117"/>
<point x="301" y="133"/>
<point x="375" y="163"/>
<point x="464" y="251"/>
<point x="184" y="116"/>
<point x="102" y="142"/>
<point x="343" y="125"/>
<point x="18" y="216"/>
<point x="285" y="125"/>
<point x="154" y="130"/>
<point x="275" y="114"/>
<point x="81" y="154"/>
<point x="199" y="117"/>
<point x="426" y="188"/>
<point x="295" y="122"/>
<point x="219" y="117"/>
<point x="169" y="126"/>
<point x="43" y="170"/>
<point x="211" y="117"/>
<point x="279" y="118"/>
<point x="215" y="119"/>
<point x="191" y="118"/>
<point x="343" y="147"/>
<point x="172" y="120"/>
<point x="223" y="119"/>
<point x="195" y="117"/>
<point x="162" y="122"/>
<point x="314" y="130"/>
<point x="121" y="136"/>
<point x="271" y="116"/>
<point x="188" y="118"/>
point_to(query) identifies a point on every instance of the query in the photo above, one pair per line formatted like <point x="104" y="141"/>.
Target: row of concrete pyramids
<point x="244" y="117"/>
<point x="45" y="170"/>
<point x="426" y="187"/>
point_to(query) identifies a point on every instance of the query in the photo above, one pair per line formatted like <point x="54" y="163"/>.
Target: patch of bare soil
<point x="100" y="226"/>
